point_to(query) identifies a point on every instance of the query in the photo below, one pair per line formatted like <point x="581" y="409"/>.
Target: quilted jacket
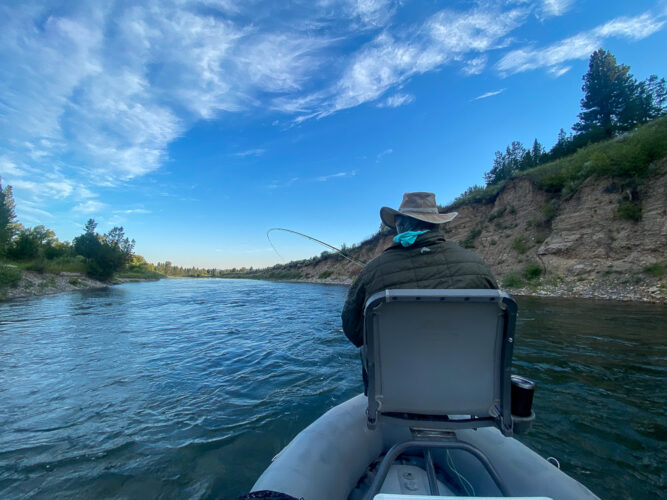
<point x="430" y="262"/>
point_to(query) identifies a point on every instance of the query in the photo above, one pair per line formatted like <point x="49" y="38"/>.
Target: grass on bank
<point x="139" y="273"/>
<point x="626" y="158"/>
<point x="53" y="266"/>
<point x="9" y="275"/>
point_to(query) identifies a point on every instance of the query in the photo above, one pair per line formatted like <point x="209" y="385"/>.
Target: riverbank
<point x="649" y="291"/>
<point x="31" y="283"/>
<point x="617" y="289"/>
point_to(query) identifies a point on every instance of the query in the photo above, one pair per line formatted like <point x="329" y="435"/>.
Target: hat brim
<point x="388" y="216"/>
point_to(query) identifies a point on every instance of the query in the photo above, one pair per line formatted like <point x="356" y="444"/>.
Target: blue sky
<point x="199" y="125"/>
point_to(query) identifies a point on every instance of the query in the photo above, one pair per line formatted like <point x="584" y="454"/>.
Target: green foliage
<point x="474" y="233"/>
<point x="614" y="100"/>
<point x="549" y="211"/>
<point x="325" y="274"/>
<point x="512" y="280"/>
<point x="497" y="214"/>
<point x="624" y="157"/>
<point x="657" y="270"/>
<point x="519" y="245"/>
<point x="74" y="281"/>
<point x="139" y="273"/>
<point x="104" y="254"/>
<point x="9" y="275"/>
<point x="629" y="210"/>
<point x="37" y="265"/>
<point x="24" y="247"/>
<point x="57" y="250"/>
<point x="8" y="224"/>
<point x="532" y="271"/>
<point x="474" y="195"/>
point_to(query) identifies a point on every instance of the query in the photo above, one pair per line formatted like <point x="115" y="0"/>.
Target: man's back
<point x="431" y="262"/>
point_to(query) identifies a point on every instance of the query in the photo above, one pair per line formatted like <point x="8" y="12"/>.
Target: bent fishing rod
<point x="337" y="250"/>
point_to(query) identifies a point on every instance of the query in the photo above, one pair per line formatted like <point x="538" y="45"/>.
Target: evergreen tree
<point x="90" y="227"/>
<point x="106" y="254"/>
<point x="537" y="153"/>
<point x="614" y="101"/>
<point x="506" y="164"/>
<point x="8" y="224"/>
<point x="608" y="87"/>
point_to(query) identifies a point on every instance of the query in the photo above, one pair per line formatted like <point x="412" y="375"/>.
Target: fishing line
<point x="337" y="250"/>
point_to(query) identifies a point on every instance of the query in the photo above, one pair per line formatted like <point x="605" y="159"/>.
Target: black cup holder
<point x="522" y="404"/>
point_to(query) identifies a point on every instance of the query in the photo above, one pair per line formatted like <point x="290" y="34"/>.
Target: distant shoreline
<point x="34" y="285"/>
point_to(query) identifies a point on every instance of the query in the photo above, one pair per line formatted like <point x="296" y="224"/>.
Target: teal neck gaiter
<point x="408" y="237"/>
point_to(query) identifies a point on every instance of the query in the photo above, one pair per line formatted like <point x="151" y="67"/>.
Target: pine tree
<point x="8" y="224"/>
<point x="609" y="89"/>
<point x="537" y="153"/>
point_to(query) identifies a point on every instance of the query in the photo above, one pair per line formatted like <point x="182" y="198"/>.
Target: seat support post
<point x="430" y="471"/>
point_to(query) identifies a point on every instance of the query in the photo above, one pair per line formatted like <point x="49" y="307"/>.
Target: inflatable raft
<point x="439" y="417"/>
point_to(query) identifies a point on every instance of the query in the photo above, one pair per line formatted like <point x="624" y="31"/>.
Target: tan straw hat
<point x="420" y="206"/>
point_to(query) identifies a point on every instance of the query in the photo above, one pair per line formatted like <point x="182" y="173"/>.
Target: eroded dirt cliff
<point x="555" y="244"/>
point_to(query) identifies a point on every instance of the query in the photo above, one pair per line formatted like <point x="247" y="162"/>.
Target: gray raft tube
<point x="326" y="460"/>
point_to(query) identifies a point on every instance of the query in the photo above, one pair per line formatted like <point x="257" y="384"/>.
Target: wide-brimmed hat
<point x="420" y="206"/>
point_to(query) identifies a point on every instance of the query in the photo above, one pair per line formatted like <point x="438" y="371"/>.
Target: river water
<point x="187" y="388"/>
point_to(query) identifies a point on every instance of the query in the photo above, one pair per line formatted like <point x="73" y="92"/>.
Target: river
<point x="187" y="388"/>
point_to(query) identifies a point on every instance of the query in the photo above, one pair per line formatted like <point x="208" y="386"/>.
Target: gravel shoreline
<point x="34" y="284"/>
<point x="650" y="292"/>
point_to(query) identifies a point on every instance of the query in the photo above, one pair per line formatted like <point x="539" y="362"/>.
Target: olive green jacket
<point x="430" y="262"/>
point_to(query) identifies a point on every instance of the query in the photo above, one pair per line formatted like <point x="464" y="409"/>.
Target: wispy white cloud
<point x="382" y="154"/>
<point x="9" y="168"/>
<point x="109" y="86"/>
<point x="579" y="46"/>
<point x="325" y="178"/>
<point x="133" y="211"/>
<point x="321" y="178"/>
<point x="550" y="8"/>
<point x="282" y="184"/>
<point x="389" y="60"/>
<point x="557" y="71"/>
<point x="475" y="65"/>
<point x="28" y="207"/>
<point x="489" y="94"/>
<point x="89" y="207"/>
<point x="249" y="152"/>
<point x="396" y="101"/>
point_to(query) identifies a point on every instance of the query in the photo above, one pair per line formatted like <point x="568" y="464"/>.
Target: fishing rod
<point x="338" y="250"/>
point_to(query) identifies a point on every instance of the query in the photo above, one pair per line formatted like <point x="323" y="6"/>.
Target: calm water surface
<point x="187" y="388"/>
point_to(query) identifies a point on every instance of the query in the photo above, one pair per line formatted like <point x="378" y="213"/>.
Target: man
<point x="420" y="258"/>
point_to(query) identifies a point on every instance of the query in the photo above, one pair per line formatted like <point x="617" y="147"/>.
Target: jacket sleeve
<point x="353" y="312"/>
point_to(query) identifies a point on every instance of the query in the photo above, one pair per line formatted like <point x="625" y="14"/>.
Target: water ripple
<point x="187" y="388"/>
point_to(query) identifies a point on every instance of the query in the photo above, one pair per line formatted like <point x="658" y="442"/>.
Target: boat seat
<point x="438" y="361"/>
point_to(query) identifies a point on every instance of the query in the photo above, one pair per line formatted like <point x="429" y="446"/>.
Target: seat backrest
<point x="440" y="356"/>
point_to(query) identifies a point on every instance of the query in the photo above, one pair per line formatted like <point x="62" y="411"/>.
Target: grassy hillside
<point x="626" y="158"/>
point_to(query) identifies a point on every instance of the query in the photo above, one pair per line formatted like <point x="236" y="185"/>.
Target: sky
<point x="198" y="125"/>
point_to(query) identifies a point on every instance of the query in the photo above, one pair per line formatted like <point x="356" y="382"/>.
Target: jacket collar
<point x="423" y="240"/>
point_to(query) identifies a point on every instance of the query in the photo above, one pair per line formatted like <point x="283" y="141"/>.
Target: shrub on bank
<point x="532" y="271"/>
<point x="9" y="275"/>
<point x="512" y="280"/>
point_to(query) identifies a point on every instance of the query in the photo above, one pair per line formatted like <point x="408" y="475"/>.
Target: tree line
<point x="614" y="102"/>
<point x="100" y="255"/>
